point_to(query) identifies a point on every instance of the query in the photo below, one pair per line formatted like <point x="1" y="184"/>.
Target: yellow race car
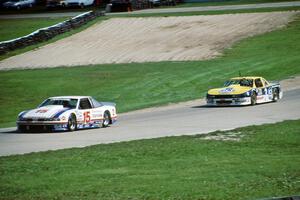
<point x="244" y="91"/>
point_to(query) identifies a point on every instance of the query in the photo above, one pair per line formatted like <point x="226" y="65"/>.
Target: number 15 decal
<point x="86" y="117"/>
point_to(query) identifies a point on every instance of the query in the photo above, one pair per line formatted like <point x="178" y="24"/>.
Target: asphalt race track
<point x="187" y="118"/>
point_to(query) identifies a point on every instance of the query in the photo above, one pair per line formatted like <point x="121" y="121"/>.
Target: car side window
<point x="96" y="103"/>
<point x="258" y="83"/>
<point x="85" y="104"/>
<point x="265" y="82"/>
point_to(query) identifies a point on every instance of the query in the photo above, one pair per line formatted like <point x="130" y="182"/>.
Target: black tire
<point x="72" y="123"/>
<point x="275" y="95"/>
<point x="22" y="129"/>
<point x="106" y="119"/>
<point x="253" y="99"/>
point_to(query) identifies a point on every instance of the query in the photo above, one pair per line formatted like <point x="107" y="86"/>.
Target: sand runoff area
<point x="150" y="39"/>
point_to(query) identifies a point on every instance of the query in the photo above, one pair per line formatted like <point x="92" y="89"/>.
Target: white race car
<point x="67" y="113"/>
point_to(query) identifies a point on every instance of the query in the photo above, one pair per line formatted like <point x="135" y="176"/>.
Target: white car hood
<point x="45" y="112"/>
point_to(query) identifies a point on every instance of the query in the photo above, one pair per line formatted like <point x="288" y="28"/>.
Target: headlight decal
<point x="20" y="117"/>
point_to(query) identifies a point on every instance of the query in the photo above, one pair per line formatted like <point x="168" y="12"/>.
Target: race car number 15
<point x="86" y="117"/>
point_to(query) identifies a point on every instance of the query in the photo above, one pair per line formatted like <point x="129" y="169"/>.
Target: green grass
<point x="229" y="2"/>
<point x="264" y="164"/>
<point x="274" y="55"/>
<point x="13" y="28"/>
<point x="42" y="9"/>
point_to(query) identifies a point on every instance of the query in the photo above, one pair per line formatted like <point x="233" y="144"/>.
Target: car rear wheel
<point x="253" y="98"/>
<point x="106" y="119"/>
<point x="275" y="95"/>
<point x="72" y="123"/>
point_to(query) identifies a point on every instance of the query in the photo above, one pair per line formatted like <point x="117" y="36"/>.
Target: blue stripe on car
<point x="61" y="112"/>
<point x="21" y="116"/>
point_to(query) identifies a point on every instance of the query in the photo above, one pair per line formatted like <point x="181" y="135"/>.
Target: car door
<point x="268" y="90"/>
<point x="259" y="88"/>
<point x="97" y="114"/>
<point x="264" y="90"/>
<point x="85" y="108"/>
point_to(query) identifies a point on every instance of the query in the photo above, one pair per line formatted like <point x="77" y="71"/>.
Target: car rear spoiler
<point x="108" y="103"/>
<point x="273" y="83"/>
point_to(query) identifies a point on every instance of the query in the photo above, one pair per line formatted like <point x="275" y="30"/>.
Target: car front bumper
<point x="42" y="126"/>
<point x="228" y="101"/>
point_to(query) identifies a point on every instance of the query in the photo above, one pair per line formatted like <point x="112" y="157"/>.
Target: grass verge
<point x="37" y="9"/>
<point x="263" y="164"/>
<point x="14" y="28"/>
<point x="274" y="55"/>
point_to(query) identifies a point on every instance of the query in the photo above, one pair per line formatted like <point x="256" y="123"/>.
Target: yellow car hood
<point x="230" y="90"/>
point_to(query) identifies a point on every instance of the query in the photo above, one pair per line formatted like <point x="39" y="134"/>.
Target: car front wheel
<point x="72" y="123"/>
<point x="106" y="119"/>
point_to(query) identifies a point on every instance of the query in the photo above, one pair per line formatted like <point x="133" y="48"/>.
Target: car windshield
<point x="66" y="103"/>
<point x="241" y="82"/>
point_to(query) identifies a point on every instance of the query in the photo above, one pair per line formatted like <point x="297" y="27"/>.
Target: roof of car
<point x="247" y="77"/>
<point x="69" y="97"/>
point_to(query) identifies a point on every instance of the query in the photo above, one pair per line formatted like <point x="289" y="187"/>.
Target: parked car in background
<point x="68" y="3"/>
<point x="2" y="3"/>
<point x="67" y="113"/>
<point x="76" y="3"/>
<point x="154" y="3"/>
<point x="54" y="4"/>
<point x="244" y="91"/>
<point x="18" y="4"/>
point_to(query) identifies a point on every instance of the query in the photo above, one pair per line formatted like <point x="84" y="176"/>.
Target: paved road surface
<point x="179" y="119"/>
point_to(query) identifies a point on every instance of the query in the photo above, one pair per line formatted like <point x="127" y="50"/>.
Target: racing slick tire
<point x="253" y="98"/>
<point x="106" y="119"/>
<point x="72" y="123"/>
<point x="275" y="95"/>
<point x="22" y="129"/>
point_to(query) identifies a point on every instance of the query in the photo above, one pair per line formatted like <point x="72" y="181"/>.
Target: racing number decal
<point x="86" y="117"/>
<point x="270" y="90"/>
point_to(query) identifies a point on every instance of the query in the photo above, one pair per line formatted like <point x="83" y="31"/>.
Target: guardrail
<point x="47" y="33"/>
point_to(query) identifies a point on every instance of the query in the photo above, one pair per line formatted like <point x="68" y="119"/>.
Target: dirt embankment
<point x="125" y="40"/>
